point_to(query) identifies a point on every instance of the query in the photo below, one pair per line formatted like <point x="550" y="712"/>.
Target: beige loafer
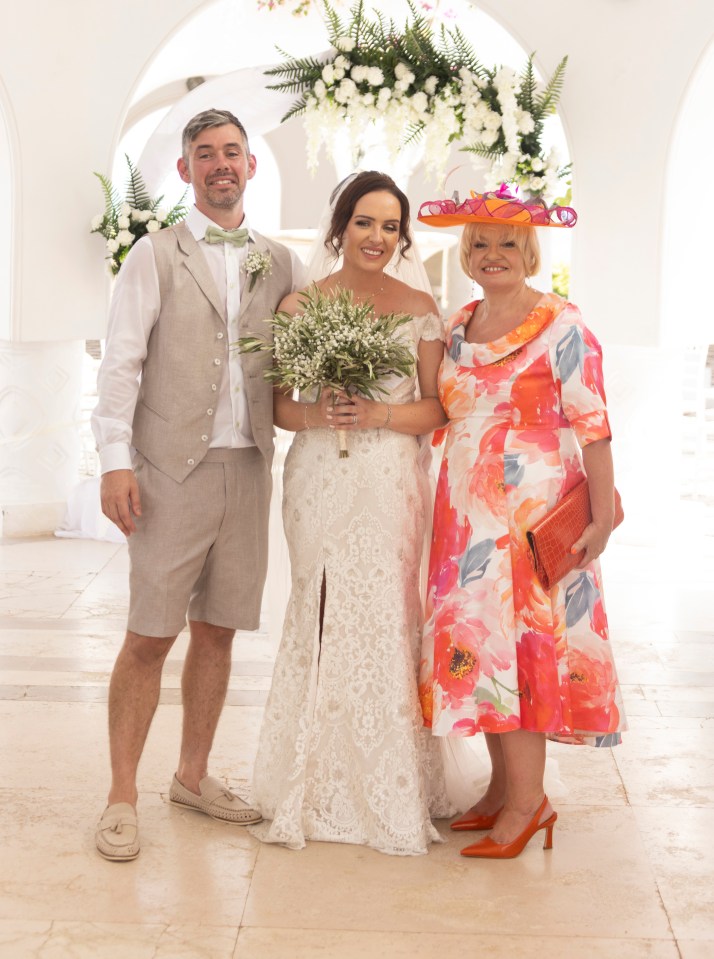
<point x="216" y="800"/>
<point x="117" y="835"/>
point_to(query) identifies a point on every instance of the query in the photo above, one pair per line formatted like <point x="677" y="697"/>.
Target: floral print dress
<point x="500" y="653"/>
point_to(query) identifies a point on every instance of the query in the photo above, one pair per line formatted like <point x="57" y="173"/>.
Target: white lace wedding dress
<point x="343" y="756"/>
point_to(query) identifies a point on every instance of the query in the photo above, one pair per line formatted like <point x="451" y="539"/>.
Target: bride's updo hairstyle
<point x="347" y="194"/>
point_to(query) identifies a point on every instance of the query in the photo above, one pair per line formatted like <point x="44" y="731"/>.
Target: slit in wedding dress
<point x="323" y="595"/>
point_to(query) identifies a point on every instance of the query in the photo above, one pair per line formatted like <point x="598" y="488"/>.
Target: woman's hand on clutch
<point x="593" y="540"/>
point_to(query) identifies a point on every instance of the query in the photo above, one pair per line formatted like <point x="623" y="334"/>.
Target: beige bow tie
<point x="237" y="237"/>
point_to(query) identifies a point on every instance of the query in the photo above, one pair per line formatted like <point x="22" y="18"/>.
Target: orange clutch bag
<point x="552" y="537"/>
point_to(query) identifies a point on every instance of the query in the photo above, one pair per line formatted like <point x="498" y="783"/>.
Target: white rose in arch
<point x="345" y="44"/>
<point x="161" y="214"/>
<point x="124" y="209"/>
<point x="125" y="237"/>
<point x="97" y="221"/>
<point x="123" y="222"/>
<point x="112" y="245"/>
<point x="153" y="226"/>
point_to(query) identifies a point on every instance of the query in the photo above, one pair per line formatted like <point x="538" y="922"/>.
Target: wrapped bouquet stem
<point x="334" y="343"/>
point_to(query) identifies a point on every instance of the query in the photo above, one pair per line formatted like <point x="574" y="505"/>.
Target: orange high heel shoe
<point x="488" y="849"/>
<point x="473" y="821"/>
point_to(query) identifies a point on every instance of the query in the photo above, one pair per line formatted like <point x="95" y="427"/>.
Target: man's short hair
<point x="206" y="120"/>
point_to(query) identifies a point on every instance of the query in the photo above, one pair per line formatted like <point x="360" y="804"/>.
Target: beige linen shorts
<point x="201" y="547"/>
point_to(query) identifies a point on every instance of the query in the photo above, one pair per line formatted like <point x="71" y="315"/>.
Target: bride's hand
<point x="355" y="412"/>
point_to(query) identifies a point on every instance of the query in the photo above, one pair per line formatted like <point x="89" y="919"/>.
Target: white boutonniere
<point x="257" y="265"/>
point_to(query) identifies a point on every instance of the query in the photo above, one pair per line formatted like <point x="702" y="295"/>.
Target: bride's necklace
<point x="370" y="294"/>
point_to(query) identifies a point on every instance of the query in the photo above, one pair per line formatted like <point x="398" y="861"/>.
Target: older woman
<point x="521" y="383"/>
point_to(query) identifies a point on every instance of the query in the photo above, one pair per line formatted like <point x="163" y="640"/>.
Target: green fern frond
<point x="334" y="26"/>
<point x="414" y="132"/>
<point x="301" y="70"/>
<point x="528" y="86"/>
<point x="112" y="200"/>
<point x="488" y="153"/>
<point x="548" y="100"/>
<point x="137" y="196"/>
<point x="295" y="110"/>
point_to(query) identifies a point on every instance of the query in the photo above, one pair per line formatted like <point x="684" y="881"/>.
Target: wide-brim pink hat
<point x="500" y="207"/>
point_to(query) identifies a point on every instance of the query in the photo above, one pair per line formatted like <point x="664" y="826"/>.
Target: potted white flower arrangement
<point x="422" y="84"/>
<point x="127" y="219"/>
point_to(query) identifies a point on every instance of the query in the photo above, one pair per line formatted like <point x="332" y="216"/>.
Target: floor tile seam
<point x="162" y="924"/>
<point x="655" y="877"/>
<point x="245" y="668"/>
<point x="236" y="698"/>
<point x="445" y="934"/>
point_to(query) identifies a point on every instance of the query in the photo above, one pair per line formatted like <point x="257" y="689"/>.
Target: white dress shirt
<point x="135" y="307"/>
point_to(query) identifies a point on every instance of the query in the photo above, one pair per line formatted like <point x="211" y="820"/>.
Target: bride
<point x="342" y="755"/>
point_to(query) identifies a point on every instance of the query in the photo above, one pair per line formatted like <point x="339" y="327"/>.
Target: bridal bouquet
<point x="125" y="220"/>
<point x="334" y="343"/>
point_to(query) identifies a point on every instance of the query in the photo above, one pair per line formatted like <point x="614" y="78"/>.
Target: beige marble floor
<point x="632" y="869"/>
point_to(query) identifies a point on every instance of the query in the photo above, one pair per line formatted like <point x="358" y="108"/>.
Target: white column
<point x="40" y="394"/>
<point x="642" y="385"/>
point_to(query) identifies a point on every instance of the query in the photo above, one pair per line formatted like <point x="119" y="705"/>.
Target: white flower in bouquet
<point x="334" y="343"/>
<point x="125" y="209"/>
<point x="420" y="102"/>
<point x="526" y="123"/>
<point x="113" y="245"/>
<point x="161" y="214"/>
<point x="96" y="222"/>
<point x="345" y="91"/>
<point x="125" y="237"/>
<point x="375" y="77"/>
<point x="430" y="85"/>
<point x="346" y="44"/>
<point x="123" y="222"/>
<point x="153" y="226"/>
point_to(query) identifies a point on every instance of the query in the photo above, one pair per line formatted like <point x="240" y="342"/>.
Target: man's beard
<point x="224" y="199"/>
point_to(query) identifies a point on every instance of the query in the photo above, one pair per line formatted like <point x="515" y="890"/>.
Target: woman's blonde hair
<point x="523" y="236"/>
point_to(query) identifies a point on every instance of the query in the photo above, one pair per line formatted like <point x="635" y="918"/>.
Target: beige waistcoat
<point x="188" y="354"/>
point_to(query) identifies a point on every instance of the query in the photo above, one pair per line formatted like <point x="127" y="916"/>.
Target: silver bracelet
<point x="388" y="419"/>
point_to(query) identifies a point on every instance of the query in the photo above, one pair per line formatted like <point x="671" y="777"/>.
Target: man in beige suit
<point x="184" y="431"/>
